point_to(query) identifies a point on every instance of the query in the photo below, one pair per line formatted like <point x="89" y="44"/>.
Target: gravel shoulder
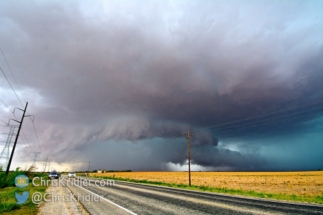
<point x="68" y="205"/>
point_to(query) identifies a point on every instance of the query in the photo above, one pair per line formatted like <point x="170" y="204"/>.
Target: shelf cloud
<point x="123" y="78"/>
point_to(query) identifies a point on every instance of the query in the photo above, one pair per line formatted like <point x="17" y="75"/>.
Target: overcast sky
<point x="116" y="83"/>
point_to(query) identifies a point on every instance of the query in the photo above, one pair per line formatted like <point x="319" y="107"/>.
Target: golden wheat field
<point x="298" y="183"/>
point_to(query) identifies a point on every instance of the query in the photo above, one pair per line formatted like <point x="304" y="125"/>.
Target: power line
<point x="275" y="121"/>
<point x="3" y="121"/>
<point x="5" y="105"/>
<point x="28" y="153"/>
<point x="11" y="86"/>
<point x="35" y="157"/>
<point x="25" y="150"/>
<point x="242" y="126"/>
<point x="28" y="147"/>
<point x="266" y="114"/>
<point x="270" y="119"/>
<point x="45" y="165"/>
<point x="10" y="70"/>
<point x="16" y="140"/>
<point x="22" y="131"/>
<point x="231" y="123"/>
<point x="20" y="140"/>
<point x="21" y="156"/>
<point x="260" y="120"/>
<point x="36" y="135"/>
<point x="23" y="134"/>
<point x="15" y="91"/>
<point x="5" y="151"/>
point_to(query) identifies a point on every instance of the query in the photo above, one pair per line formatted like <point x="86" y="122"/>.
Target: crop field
<point x="308" y="184"/>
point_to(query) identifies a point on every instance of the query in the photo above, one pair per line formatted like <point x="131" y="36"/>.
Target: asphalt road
<point x="133" y="198"/>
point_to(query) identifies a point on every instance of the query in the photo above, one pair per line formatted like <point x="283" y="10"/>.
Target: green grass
<point x="225" y="190"/>
<point x="7" y="199"/>
<point x="8" y="203"/>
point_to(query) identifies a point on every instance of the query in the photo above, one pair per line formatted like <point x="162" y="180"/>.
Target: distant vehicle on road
<point x="71" y="174"/>
<point x="53" y="175"/>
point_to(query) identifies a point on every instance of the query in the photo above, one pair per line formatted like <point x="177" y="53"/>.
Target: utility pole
<point x="188" y="136"/>
<point x="88" y="169"/>
<point x="35" y="157"/>
<point x="45" y="165"/>
<point x="14" y="146"/>
<point x="5" y="152"/>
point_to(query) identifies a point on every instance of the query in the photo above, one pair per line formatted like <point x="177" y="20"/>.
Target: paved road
<point x="132" y="198"/>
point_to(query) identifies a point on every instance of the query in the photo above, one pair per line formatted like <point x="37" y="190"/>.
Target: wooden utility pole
<point x="188" y="136"/>
<point x="16" y="140"/>
<point x="88" y="169"/>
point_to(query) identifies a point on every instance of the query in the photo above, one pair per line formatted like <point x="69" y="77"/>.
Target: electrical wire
<point x="28" y="144"/>
<point x="10" y="70"/>
<point x="275" y="121"/>
<point x="3" y="121"/>
<point x="27" y="152"/>
<point x="264" y="120"/>
<point x="11" y="86"/>
<point x="5" y="105"/>
<point x="21" y="156"/>
<point x="243" y="123"/>
<point x="266" y="114"/>
<point x="36" y="135"/>
<point x="16" y="93"/>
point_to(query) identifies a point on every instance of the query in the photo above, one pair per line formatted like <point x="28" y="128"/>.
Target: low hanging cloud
<point x="138" y="128"/>
<point x="123" y="72"/>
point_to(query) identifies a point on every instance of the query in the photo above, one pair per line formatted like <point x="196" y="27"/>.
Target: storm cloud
<point x="129" y="78"/>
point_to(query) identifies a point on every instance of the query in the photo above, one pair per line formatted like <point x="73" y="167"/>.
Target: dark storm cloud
<point x="120" y="71"/>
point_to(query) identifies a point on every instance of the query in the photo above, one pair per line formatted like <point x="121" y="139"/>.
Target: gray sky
<point x="118" y="82"/>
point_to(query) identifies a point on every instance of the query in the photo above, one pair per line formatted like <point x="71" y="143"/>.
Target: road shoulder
<point x="61" y="206"/>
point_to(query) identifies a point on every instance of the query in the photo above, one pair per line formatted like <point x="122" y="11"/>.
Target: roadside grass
<point x="8" y="203"/>
<point x="287" y="197"/>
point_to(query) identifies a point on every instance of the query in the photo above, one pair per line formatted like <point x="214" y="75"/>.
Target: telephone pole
<point x="188" y="136"/>
<point x="45" y="165"/>
<point x="14" y="145"/>
<point x="88" y="169"/>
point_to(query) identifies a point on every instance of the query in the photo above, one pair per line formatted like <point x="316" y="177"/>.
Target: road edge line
<point x="115" y="204"/>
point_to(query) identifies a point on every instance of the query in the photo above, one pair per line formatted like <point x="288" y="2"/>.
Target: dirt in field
<point x="298" y="183"/>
